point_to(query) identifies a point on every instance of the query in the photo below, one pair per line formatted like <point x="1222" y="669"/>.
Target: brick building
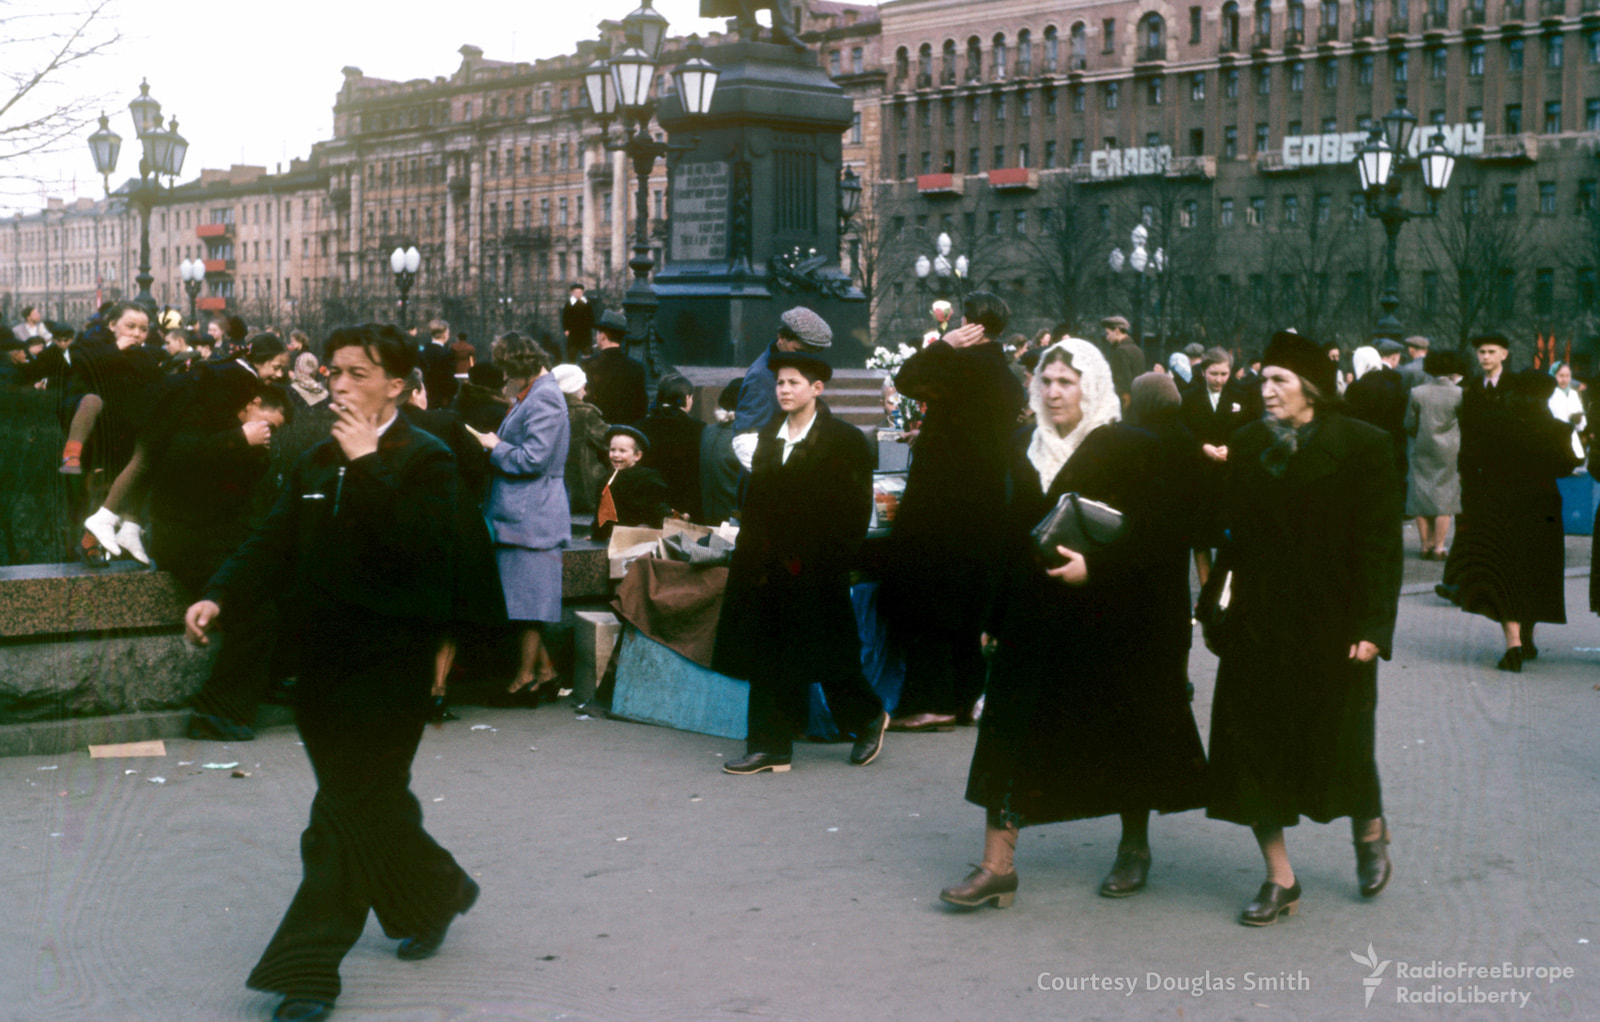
<point x="64" y="259"/>
<point x="1038" y="133"/>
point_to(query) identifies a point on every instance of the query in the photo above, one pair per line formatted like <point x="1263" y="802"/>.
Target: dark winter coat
<point x="587" y="467"/>
<point x="479" y="407"/>
<point x="203" y="488"/>
<point x="616" y="386"/>
<point x="719" y="474"/>
<point x="438" y="365"/>
<point x="675" y="452"/>
<point x="944" y="552"/>
<point x="1380" y="398"/>
<point x="1315" y="558"/>
<point x="577" y="322"/>
<point x="1215" y="427"/>
<point x="803" y="522"/>
<point x="1087" y="710"/>
<point x="640" y="497"/>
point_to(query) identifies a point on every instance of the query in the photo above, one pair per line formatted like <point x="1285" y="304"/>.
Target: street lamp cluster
<point x="404" y="264"/>
<point x="1379" y="162"/>
<point x="621" y="85"/>
<point x="1142" y="263"/>
<point x="162" y="152"/>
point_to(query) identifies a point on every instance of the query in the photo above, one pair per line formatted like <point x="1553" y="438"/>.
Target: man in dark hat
<point x="577" y="323"/>
<point x="799" y="329"/>
<point x="1126" y="357"/>
<point x="786" y="618"/>
<point x="616" y="382"/>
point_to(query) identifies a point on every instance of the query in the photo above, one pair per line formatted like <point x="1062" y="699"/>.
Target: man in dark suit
<point x="787" y="619"/>
<point x="616" y="382"/>
<point x="437" y="361"/>
<point x="577" y="323"/>
<point x="362" y="540"/>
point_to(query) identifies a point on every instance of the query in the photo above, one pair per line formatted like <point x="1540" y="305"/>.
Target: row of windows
<point x="563" y="97"/>
<point x="59" y="238"/>
<point x="255" y="213"/>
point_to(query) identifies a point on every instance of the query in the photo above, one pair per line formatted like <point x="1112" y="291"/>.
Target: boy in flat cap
<point x="787" y="619"/>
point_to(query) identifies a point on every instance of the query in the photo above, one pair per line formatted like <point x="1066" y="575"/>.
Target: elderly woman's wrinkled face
<point x="1217" y="374"/>
<point x="1285" y="395"/>
<point x="624" y="452"/>
<point x="1564" y="377"/>
<point x="1063" y="395"/>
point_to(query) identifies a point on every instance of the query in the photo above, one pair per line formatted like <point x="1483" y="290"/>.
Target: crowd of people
<point x="362" y="508"/>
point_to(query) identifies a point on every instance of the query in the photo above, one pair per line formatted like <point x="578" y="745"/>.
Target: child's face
<point x="256" y="412"/>
<point x="624" y="452"/>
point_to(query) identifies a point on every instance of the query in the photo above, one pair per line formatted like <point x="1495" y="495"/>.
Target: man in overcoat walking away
<point x="787" y="619"/>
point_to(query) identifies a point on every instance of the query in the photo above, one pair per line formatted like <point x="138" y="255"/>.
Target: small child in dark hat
<point x="635" y="495"/>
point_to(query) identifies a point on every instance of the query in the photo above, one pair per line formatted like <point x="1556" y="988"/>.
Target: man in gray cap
<point x="799" y="329"/>
<point x="1126" y="357"/>
<point x="1411" y="370"/>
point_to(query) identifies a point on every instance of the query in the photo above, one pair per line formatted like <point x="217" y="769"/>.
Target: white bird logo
<point x="1370" y="960"/>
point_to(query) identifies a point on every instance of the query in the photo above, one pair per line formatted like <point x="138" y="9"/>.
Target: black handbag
<point x="1080" y="524"/>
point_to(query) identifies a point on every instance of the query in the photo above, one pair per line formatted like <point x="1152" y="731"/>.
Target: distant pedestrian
<point x="1433" y="420"/>
<point x="577" y="323"/>
<point x="586" y="453"/>
<point x="674" y="435"/>
<point x="1125" y="357"/>
<point x="616" y="382"/>
<point x="1566" y="404"/>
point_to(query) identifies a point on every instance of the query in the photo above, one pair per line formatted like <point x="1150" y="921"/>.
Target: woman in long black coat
<point x="943" y="550"/>
<point x="1087" y="711"/>
<point x="1508" y="562"/>
<point x="1313" y="513"/>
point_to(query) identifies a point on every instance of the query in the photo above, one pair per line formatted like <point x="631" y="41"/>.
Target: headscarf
<point x="1366" y="359"/>
<point x="1178" y="362"/>
<point x="1049" y="450"/>
<point x="1154" y="399"/>
<point x="1555" y="367"/>
<point x="305" y="380"/>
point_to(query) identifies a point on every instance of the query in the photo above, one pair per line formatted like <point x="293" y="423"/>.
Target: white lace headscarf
<point x="1365" y="359"/>
<point x="1049" y="450"/>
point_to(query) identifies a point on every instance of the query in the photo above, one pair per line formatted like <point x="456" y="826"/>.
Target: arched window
<point x="1024" y="53"/>
<point x="1000" y="54"/>
<point x="1052" y="49"/>
<point x="947" y="73"/>
<point x="1153" y="37"/>
<point x="1297" y="18"/>
<point x="1230" y="26"/>
<point x="974" y="59"/>
<point x="902" y="63"/>
<point x="1078" y="45"/>
<point x="925" y="64"/>
<point x="1264" y="21"/>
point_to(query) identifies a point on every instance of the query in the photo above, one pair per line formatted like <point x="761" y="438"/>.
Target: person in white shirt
<point x="1566" y="404"/>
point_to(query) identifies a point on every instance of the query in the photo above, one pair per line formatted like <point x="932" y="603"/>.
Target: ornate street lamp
<point x="404" y="264"/>
<point x="849" y="194"/>
<point x="162" y="153"/>
<point x="193" y="272"/>
<point x="620" y="85"/>
<point x="1378" y="162"/>
<point x="1143" y="263"/>
<point x="943" y="275"/>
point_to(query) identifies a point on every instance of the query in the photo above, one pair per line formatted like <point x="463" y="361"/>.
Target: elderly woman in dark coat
<point x="1314" y="560"/>
<point x="943" y="550"/>
<point x="527" y="506"/>
<point x="1509" y="564"/>
<point x="1087" y="711"/>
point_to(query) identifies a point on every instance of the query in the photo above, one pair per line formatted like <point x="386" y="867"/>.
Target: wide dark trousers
<point x="779" y="701"/>
<point x="360" y="713"/>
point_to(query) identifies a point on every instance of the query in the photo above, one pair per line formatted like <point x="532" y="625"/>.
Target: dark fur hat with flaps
<point x="1303" y="357"/>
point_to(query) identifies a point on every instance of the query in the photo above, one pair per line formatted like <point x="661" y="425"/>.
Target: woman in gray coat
<point x="1433" y="491"/>
<point x="527" y="506"/>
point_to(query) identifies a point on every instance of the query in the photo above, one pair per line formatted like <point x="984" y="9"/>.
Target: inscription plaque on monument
<point x="700" y="197"/>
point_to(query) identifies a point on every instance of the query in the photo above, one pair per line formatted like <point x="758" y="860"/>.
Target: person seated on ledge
<point x="634" y="495"/>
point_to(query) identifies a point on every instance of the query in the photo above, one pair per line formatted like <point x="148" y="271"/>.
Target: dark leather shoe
<point x="982" y="887"/>
<point x="870" y="744"/>
<point x="302" y="1009"/>
<point x="924" y="722"/>
<point x="1128" y="875"/>
<point x="1530" y="651"/>
<point x="1451" y="593"/>
<point x="1373" y="867"/>
<point x="423" y="945"/>
<point x="208" y="727"/>
<point x="1271" y="902"/>
<point x="756" y="762"/>
<point x="1512" y="661"/>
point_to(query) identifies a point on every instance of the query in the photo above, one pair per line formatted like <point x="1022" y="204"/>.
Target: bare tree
<point x="1477" y="255"/>
<point x="1068" y="254"/>
<point x="42" y="110"/>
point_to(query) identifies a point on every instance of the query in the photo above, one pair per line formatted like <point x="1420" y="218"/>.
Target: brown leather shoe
<point x="1128" y="875"/>
<point x="1271" y="902"/>
<point x="924" y="722"/>
<point x="982" y="886"/>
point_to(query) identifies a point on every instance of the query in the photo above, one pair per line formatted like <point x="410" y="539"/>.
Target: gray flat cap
<point x="1387" y="346"/>
<point x="808" y="327"/>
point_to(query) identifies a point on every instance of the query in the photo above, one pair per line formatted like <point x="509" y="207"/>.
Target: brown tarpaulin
<point x="675" y="604"/>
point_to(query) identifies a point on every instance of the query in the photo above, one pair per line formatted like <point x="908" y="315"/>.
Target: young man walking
<point x="787" y="619"/>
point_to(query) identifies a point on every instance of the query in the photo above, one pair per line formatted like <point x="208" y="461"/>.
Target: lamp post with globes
<point x="943" y="275"/>
<point x="193" y="272"/>
<point x="404" y="264"/>
<point x="162" y="152"/>
<point x="1379" y="162"/>
<point x="620" y="86"/>
<point x="1142" y="263"/>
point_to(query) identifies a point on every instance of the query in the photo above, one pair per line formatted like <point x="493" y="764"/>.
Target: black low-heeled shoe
<point x="1128" y="875"/>
<point x="1373" y="868"/>
<point x="1530" y="651"/>
<point x="1271" y="902"/>
<point x="1512" y="661"/>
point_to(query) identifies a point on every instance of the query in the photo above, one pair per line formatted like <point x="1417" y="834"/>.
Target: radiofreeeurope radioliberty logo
<point x="1456" y="983"/>
<point x="1371" y="961"/>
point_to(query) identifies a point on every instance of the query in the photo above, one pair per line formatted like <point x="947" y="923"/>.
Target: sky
<point x="255" y="83"/>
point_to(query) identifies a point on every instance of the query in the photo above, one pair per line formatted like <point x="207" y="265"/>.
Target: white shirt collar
<point x="385" y="427"/>
<point x="789" y="443"/>
<point x="1215" y="397"/>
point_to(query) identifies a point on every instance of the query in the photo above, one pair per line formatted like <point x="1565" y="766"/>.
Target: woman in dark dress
<point x="1313" y="516"/>
<point x="1087" y="712"/>
<point x="1510" y="563"/>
